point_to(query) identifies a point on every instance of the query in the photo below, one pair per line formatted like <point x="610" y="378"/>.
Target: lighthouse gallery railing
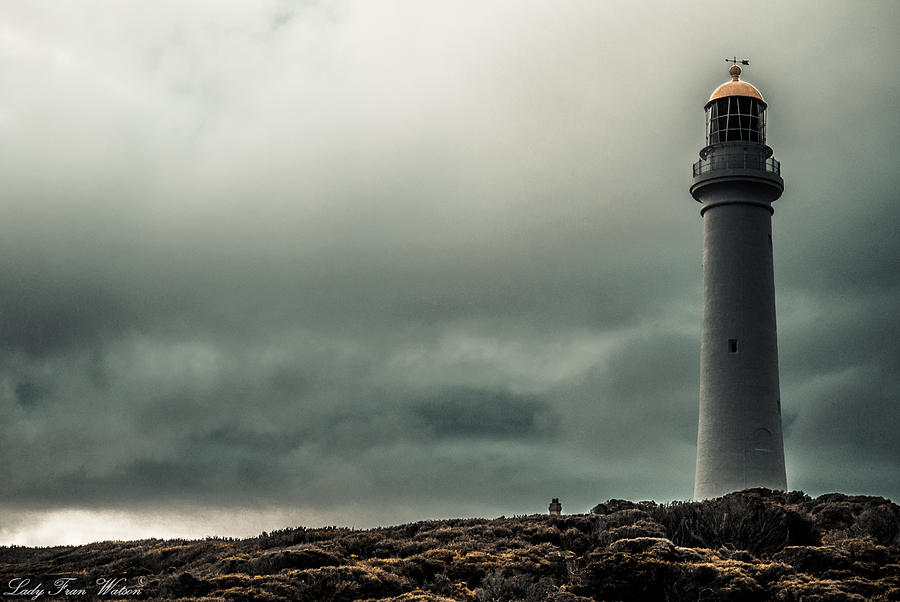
<point x="737" y="161"/>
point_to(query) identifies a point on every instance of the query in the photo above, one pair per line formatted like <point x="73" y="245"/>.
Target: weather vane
<point x="736" y="61"/>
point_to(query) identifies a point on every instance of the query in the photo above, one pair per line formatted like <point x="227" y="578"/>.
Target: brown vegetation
<point x="753" y="545"/>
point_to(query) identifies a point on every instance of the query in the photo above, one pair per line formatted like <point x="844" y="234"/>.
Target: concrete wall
<point x="739" y="441"/>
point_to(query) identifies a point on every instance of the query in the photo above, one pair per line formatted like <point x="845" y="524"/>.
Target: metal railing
<point x="737" y="161"/>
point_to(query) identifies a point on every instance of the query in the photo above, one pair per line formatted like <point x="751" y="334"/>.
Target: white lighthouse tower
<point x="739" y="441"/>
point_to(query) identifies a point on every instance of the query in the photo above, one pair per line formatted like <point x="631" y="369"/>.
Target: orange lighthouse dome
<point x="735" y="87"/>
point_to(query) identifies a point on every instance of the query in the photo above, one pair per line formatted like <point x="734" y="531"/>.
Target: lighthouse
<point x="739" y="440"/>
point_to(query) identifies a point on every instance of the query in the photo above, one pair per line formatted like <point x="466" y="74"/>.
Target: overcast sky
<point x="365" y="263"/>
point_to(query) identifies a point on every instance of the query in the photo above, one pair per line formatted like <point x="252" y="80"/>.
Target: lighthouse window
<point x="735" y="118"/>
<point x="732" y="346"/>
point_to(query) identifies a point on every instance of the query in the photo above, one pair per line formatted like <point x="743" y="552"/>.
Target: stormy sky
<point x="364" y="263"/>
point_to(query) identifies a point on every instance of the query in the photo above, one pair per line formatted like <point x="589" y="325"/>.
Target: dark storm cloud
<point x="29" y="393"/>
<point x="493" y="414"/>
<point x="421" y="259"/>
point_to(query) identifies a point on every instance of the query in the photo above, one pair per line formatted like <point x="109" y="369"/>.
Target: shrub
<point x="882" y="523"/>
<point x="500" y="586"/>
<point x="575" y="541"/>
<point x="627" y="524"/>
<point x="275" y="562"/>
<point x="742" y="520"/>
<point x="183" y="585"/>
<point x="612" y="506"/>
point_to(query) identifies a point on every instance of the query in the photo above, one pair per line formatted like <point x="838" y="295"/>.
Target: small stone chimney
<point x="555" y="507"/>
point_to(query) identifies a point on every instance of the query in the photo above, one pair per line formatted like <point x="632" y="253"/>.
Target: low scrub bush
<point x="745" y="521"/>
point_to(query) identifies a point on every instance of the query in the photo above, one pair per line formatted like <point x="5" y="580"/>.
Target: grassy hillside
<point x="753" y="545"/>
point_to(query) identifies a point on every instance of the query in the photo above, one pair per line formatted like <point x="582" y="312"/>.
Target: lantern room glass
<point x="736" y="119"/>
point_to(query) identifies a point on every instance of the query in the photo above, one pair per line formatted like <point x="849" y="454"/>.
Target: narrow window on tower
<point x="732" y="346"/>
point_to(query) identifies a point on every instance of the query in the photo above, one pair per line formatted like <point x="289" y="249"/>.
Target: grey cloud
<point x="309" y="255"/>
<point x="493" y="414"/>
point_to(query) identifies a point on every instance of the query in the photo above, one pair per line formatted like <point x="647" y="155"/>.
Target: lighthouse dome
<point x="736" y="87"/>
<point x="736" y="112"/>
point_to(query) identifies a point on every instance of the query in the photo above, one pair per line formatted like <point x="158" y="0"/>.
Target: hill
<point x="752" y="545"/>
